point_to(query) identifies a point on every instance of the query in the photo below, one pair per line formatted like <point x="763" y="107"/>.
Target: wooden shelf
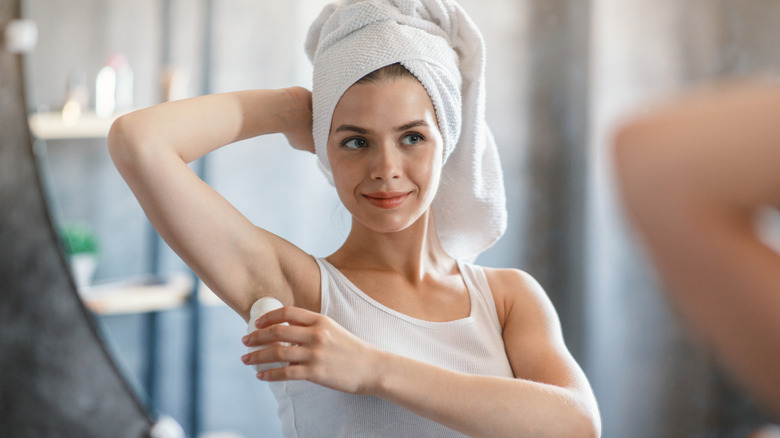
<point x="137" y="296"/>
<point x="51" y="126"/>
<point x="207" y="296"/>
<point x="145" y="295"/>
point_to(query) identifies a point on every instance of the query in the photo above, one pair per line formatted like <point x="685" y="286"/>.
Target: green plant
<point x="78" y="239"/>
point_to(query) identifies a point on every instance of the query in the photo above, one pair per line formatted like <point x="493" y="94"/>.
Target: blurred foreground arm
<point x="693" y="176"/>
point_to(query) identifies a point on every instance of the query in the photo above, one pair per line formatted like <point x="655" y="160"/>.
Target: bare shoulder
<point x="532" y="333"/>
<point x="518" y="294"/>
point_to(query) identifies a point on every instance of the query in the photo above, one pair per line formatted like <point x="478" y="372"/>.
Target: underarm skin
<point x="693" y="176"/>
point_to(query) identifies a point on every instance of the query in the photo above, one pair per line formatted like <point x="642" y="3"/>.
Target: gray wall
<point x="559" y="75"/>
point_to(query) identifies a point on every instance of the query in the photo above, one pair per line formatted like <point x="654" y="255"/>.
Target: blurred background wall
<point x="560" y="75"/>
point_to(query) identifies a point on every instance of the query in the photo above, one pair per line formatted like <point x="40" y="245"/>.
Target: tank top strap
<point x="477" y="283"/>
<point x="325" y="278"/>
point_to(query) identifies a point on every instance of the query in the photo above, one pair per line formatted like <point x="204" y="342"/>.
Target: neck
<point x="414" y="251"/>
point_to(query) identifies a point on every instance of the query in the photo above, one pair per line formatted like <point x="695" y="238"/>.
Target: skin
<point x="693" y="175"/>
<point x="384" y="142"/>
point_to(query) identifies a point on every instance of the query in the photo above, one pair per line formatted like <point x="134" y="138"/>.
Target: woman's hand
<point x="318" y="350"/>
<point x="298" y="118"/>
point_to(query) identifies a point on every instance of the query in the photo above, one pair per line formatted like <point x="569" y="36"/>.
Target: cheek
<point x="343" y="181"/>
<point x="429" y="175"/>
<point x="337" y="170"/>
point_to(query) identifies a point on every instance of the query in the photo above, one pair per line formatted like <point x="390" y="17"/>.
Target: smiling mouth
<point x="387" y="200"/>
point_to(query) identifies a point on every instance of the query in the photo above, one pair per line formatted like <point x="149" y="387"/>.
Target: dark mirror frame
<point x="58" y="377"/>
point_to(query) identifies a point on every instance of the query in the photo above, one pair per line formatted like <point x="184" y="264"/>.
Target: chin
<point x="386" y="226"/>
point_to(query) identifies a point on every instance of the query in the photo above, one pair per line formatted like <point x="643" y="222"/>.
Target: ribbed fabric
<point x="471" y="345"/>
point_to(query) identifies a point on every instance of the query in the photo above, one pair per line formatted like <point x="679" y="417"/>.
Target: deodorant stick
<point x="260" y="308"/>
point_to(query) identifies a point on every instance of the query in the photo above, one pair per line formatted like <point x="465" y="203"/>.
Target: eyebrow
<point x="411" y="125"/>
<point x="352" y="128"/>
<point x="364" y="131"/>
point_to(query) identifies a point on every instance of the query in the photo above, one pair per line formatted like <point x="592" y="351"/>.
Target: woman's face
<point x="385" y="152"/>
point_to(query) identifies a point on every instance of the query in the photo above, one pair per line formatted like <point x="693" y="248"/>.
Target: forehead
<point x="391" y="102"/>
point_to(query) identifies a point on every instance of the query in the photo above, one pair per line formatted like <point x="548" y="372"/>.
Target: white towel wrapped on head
<point x="439" y="44"/>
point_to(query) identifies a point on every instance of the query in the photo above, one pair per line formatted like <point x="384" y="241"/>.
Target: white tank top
<point x="471" y="345"/>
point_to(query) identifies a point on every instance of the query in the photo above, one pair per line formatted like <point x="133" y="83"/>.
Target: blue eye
<point x="413" y="138"/>
<point x="354" y="143"/>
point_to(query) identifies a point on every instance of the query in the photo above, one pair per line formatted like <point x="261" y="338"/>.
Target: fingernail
<point x="245" y="358"/>
<point x="261" y="375"/>
<point x="245" y="339"/>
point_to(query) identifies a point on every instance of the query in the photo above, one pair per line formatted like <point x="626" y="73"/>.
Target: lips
<point x="386" y="200"/>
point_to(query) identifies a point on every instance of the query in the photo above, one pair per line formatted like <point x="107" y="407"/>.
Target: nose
<point x="386" y="162"/>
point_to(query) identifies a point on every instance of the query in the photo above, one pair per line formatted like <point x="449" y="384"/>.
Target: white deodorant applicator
<point x="260" y="308"/>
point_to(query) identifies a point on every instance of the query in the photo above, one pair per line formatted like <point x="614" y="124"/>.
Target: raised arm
<point x="237" y="260"/>
<point x="693" y="176"/>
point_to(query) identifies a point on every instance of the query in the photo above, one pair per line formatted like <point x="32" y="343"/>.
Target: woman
<point x="394" y="334"/>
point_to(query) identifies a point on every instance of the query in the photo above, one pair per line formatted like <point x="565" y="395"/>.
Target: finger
<point x="290" y="372"/>
<point x="289" y="314"/>
<point x="276" y="353"/>
<point x="278" y="333"/>
<point x="252" y="349"/>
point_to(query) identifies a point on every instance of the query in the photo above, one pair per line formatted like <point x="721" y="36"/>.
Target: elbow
<point x="642" y="166"/>
<point x="583" y="418"/>
<point x="630" y="144"/>
<point x="589" y="426"/>
<point x="626" y="158"/>
<point x="584" y="423"/>
<point x="124" y="146"/>
<point x="118" y="142"/>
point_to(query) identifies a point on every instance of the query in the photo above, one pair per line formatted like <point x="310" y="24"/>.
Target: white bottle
<point x="260" y="308"/>
<point x="114" y="87"/>
<point x="105" y="92"/>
